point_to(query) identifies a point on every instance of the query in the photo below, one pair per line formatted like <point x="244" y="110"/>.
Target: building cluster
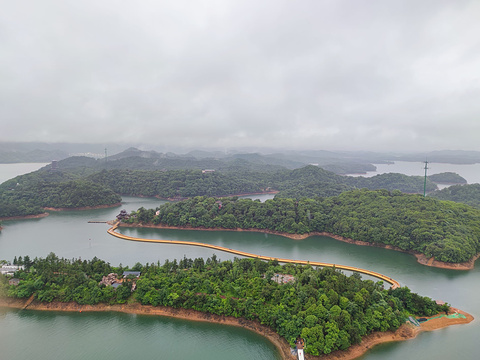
<point x="9" y="270"/>
<point x="282" y="278"/>
<point x="112" y="279"/>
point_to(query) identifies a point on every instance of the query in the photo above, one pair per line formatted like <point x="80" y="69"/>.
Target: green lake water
<point x="51" y="335"/>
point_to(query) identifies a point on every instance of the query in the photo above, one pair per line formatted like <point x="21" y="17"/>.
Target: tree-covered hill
<point x="328" y="309"/>
<point x="447" y="178"/>
<point x="179" y="183"/>
<point x="307" y="182"/>
<point x="467" y="194"/>
<point x="134" y="159"/>
<point x="29" y="194"/>
<point x="448" y="231"/>
<point x="392" y="181"/>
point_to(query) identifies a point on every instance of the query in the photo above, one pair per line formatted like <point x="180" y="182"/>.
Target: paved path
<point x="394" y="284"/>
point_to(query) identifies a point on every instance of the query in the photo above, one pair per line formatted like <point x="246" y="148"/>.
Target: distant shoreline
<point x="421" y="258"/>
<point x="45" y="214"/>
<point x="25" y="217"/>
<point x="180" y="198"/>
<point x="405" y="332"/>
<point x="84" y="207"/>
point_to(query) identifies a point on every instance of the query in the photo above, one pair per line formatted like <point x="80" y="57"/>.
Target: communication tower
<point x="425" y="180"/>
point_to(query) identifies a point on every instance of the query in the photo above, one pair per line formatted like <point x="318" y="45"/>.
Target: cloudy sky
<point x="320" y="74"/>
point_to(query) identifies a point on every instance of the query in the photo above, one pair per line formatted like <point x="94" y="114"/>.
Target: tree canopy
<point x="328" y="309"/>
<point x="448" y="231"/>
<point x="467" y="194"/>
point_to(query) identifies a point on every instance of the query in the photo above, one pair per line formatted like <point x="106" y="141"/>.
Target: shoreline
<point x="25" y="217"/>
<point x="421" y="258"/>
<point x="404" y="332"/>
<point x="180" y="198"/>
<point x="179" y="313"/>
<point x="84" y="207"/>
<point x="45" y="214"/>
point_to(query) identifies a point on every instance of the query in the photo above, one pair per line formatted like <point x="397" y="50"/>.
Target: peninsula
<point x="335" y="314"/>
<point x="405" y="332"/>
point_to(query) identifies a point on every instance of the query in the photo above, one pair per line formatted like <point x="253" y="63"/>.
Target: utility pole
<point x="425" y="180"/>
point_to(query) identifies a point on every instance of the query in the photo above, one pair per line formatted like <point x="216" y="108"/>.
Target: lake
<point x="45" y="335"/>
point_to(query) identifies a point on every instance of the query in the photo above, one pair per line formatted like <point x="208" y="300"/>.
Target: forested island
<point x="329" y="310"/>
<point x="445" y="231"/>
<point x="447" y="178"/>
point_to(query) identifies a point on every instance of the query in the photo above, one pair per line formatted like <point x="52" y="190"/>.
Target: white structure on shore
<point x="9" y="270"/>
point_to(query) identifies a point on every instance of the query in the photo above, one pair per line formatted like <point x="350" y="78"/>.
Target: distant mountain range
<point x="340" y="162"/>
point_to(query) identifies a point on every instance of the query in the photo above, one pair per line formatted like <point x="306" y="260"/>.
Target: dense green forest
<point x="447" y="178"/>
<point x="467" y="194"/>
<point x="328" y="309"/>
<point x="309" y="181"/>
<point x="76" y="183"/>
<point x="29" y="194"/>
<point x="392" y="181"/>
<point x="446" y="230"/>
<point x="179" y="183"/>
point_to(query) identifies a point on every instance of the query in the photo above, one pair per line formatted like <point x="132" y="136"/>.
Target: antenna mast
<point x="425" y="180"/>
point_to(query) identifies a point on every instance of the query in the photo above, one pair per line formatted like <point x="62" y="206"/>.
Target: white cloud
<point x="315" y="74"/>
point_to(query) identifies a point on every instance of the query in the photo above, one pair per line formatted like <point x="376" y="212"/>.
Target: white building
<point x="10" y="269"/>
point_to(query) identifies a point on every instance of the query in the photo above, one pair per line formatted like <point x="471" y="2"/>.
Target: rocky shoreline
<point x="421" y="258"/>
<point x="405" y="332"/>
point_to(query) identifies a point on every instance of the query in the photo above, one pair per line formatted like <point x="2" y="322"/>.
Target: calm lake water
<point x="28" y="334"/>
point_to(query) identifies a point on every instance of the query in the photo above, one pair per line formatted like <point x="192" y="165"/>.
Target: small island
<point x="333" y="313"/>
<point x="447" y="178"/>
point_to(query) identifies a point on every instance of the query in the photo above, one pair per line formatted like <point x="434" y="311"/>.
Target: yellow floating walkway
<point x="394" y="284"/>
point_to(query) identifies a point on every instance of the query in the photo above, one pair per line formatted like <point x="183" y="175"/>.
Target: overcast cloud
<point x="372" y="75"/>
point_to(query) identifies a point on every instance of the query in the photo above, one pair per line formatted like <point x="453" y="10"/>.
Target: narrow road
<point x="394" y="284"/>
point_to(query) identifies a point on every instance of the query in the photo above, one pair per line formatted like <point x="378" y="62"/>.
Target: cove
<point x="85" y="336"/>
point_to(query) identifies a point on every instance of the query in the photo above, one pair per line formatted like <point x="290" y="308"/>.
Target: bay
<point x="84" y="336"/>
